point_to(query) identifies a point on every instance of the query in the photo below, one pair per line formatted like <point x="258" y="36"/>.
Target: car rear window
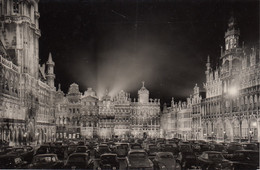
<point x="136" y="147"/>
<point x="215" y="157"/>
<point x="167" y="156"/>
<point x="77" y="158"/>
<point x="138" y="155"/>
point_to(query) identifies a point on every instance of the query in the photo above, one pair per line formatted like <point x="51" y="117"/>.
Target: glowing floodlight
<point x="233" y="91"/>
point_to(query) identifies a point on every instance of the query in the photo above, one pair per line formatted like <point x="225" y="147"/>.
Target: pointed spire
<point x="50" y="61"/>
<point x="59" y="89"/>
<point x="143" y="83"/>
<point x="208" y="59"/>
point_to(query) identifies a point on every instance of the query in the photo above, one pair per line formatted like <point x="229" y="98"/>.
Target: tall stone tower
<point x="232" y="35"/>
<point x="20" y="33"/>
<point x="143" y="95"/>
<point x="50" y="71"/>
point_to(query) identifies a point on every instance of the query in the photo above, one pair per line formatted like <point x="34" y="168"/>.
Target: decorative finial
<point x="143" y="83"/>
<point x="50" y="57"/>
<point x="208" y="60"/>
<point x="59" y="87"/>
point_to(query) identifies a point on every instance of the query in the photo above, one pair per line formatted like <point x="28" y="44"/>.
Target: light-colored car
<point x="45" y="161"/>
<point x="165" y="161"/>
<point x="137" y="159"/>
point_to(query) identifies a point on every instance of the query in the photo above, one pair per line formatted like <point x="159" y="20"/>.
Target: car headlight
<point x="163" y="167"/>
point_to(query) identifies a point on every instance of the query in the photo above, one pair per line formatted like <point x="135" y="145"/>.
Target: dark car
<point x="43" y="149"/>
<point x="214" y="160"/>
<point x="245" y="159"/>
<point x="79" y="161"/>
<point x="134" y="146"/>
<point x="152" y="149"/>
<point x="12" y="161"/>
<point x="218" y="148"/>
<point x="108" y="161"/>
<point x="165" y="161"/>
<point x="45" y="161"/>
<point x="5" y="149"/>
<point x="138" y="159"/>
<point x="232" y="147"/>
<point x="101" y="149"/>
<point x="25" y="152"/>
<point x="186" y="157"/>
<point x="250" y="146"/>
<point x="72" y="148"/>
<point x="173" y="148"/>
<point x="82" y="149"/>
<point x="60" y="150"/>
<point x="121" y="150"/>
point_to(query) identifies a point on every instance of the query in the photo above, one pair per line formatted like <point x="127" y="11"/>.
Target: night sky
<point x="116" y="44"/>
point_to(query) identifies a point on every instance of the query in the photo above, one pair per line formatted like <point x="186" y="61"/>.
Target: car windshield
<point x="166" y="156"/>
<point x="19" y="150"/>
<point x="108" y="158"/>
<point x="103" y="147"/>
<point x="247" y="156"/>
<point x="215" y="157"/>
<point x="219" y="147"/>
<point x="185" y="148"/>
<point x="152" y="147"/>
<point x="81" y="149"/>
<point x="168" y="146"/>
<point x="138" y="155"/>
<point x="77" y="159"/>
<point x="236" y="147"/>
<point x="250" y="146"/>
<point x="136" y="147"/>
<point x="45" y="159"/>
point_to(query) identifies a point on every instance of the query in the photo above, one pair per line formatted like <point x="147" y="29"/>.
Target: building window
<point x="15" y="6"/>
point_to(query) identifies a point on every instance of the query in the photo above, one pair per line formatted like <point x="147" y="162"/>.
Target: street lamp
<point x="224" y="136"/>
<point x="250" y="135"/>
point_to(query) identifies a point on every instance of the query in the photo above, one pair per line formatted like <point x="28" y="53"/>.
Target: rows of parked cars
<point x="148" y="154"/>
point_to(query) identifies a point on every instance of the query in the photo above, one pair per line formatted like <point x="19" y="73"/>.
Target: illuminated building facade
<point x="26" y="89"/>
<point x="89" y="116"/>
<point x="230" y="111"/>
<point x="145" y="115"/>
<point x="176" y="120"/>
<point x="123" y="110"/>
<point x="68" y="113"/>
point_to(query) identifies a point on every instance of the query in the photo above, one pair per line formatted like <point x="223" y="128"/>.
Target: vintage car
<point x="45" y="161"/>
<point x="138" y="159"/>
<point x="12" y="161"/>
<point x="101" y="149"/>
<point x="26" y="153"/>
<point x="214" y="160"/>
<point x="135" y="146"/>
<point x="245" y="159"/>
<point x="250" y="146"/>
<point x="232" y="147"/>
<point x="108" y="161"/>
<point x="79" y="161"/>
<point x="151" y="149"/>
<point x="5" y="149"/>
<point x="173" y="148"/>
<point x="72" y="148"/>
<point x="165" y="161"/>
<point x="82" y="149"/>
<point x="186" y="157"/>
<point x="121" y="150"/>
